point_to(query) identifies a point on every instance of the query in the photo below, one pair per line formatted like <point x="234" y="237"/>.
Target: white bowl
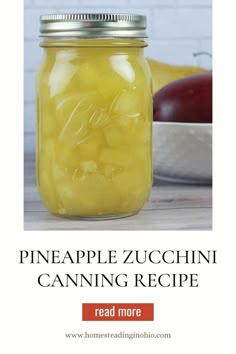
<point x="182" y="152"/>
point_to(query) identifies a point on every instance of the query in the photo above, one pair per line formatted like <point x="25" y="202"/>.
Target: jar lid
<point x="93" y="25"/>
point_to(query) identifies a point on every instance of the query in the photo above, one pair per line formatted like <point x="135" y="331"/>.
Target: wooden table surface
<point x="170" y="207"/>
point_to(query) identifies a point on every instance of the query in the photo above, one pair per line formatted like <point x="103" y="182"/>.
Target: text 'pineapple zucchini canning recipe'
<point x="94" y="115"/>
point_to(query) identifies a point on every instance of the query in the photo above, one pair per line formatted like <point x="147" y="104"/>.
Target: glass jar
<point x="94" y="116"/>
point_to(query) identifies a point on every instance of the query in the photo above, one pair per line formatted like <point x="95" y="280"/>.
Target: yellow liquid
<point x="94" y="112"/>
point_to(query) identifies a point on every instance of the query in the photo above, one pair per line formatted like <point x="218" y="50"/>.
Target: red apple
<point x="188" y="100"/>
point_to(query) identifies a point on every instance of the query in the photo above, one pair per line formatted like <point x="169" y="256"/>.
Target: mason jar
<point x="94" y="115"/>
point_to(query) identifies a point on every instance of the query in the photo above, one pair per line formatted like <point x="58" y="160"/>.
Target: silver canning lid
<point x="93" y="25"/>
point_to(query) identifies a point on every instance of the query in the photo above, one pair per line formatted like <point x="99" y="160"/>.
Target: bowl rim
<point x="183" y="124"/>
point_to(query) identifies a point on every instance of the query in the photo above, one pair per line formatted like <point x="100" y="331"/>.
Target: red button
<point x="117" y="312"/>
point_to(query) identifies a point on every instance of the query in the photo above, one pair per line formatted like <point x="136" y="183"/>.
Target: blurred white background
<point x="176" y="28"/>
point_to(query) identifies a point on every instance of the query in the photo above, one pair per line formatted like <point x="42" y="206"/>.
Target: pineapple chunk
<point x="133" y="186"/>
<point x="73" y="199"/>
<point x="127" y="104"/>
<point x="109" y="171"/>
<point x="122" y="67"/>
<point x="110" y="82"/>
<point x="99" y="118"/>
<point x="90" y="147"/>
<point x="113" y="136"/>
<point x="88" y="75"/>
<point x="88" y="150"/>
<point x="67" y="156"/>
<point x="47" y="154"/>
<point x="47" y="189"/>
<point x="60" y="76"/>
<point x="89" y="166"/>
<point x="115" y="157"/>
